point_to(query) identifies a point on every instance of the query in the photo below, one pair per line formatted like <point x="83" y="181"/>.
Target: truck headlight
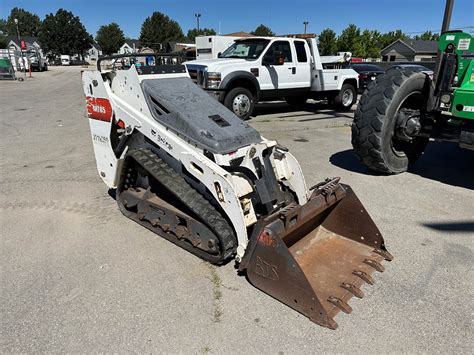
<point x="213" y="80"/>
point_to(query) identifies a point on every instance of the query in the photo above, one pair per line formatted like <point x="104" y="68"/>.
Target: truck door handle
<point x="293" y="70"/>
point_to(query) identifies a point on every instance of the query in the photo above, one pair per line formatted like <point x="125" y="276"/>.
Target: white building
<point x="32" y="44"/>
<point x="92" y="55"/>
<point x="130" y="46"/>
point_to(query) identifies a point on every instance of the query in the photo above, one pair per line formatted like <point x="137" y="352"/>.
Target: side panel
<point x="130" y="107"/>
<point x="277" y="77"/>
<point x="302" y="73"/>
<point x="100" y="114"/>
<point x="332" y="79"/>
<point x="289" y="169"/>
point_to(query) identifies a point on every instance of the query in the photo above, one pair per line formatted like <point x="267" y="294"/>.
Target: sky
<point x="282" y="17"/>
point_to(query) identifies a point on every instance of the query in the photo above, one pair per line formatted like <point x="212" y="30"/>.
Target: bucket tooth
<point x="385" y="254"/>
<point x="356" y="291"/>
<point x="364" y="276"/>
<point x="343" y="306"/>
<point x="332" y="324"/>
<point x="375" y="264"/>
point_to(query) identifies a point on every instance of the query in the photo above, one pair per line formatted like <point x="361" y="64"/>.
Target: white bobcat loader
<point x="188" y="169"/>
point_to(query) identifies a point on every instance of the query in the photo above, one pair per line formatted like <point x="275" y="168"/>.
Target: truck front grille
<point x="197" y="74"/>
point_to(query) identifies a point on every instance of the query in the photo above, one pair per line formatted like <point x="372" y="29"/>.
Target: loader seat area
<point x="182" y="106"/>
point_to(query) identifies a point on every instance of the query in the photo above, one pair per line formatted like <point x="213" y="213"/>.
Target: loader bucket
<point x="315" y="257"/>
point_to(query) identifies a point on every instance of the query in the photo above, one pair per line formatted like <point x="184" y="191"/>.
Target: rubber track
<point x="370" y="116"/>
<point x="196" y="202"/>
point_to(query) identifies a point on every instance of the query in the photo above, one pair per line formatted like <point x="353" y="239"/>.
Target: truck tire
<point x="296" y="100"/>
<point x="346" y="97"/>
<point x="374" y="136"/>
<point x="240" y="101"/>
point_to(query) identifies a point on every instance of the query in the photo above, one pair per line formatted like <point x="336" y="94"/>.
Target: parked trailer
<point x="209" y="47"/>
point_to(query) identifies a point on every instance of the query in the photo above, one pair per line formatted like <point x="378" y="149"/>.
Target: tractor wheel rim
<point x="241" y="105"/>
<point x="347" y="97"/>
<point x="395" y="144"/>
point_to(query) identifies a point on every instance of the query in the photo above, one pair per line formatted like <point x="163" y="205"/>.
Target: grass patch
<point x="216" y="293"/>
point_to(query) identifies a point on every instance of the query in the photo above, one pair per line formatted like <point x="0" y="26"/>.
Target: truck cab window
<point x="283" y="47"/>
<point x="245" y="49"/>
<point x="301" y="52"/>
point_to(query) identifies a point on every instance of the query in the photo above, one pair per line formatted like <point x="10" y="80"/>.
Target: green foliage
<point x="28" y="23"/>
<point x="263" y="31"/>
<point x="63" y="33"/>
<point x="159" y="29"/>
<point x="427" y="36"/>
<point x="193" y="33"/>
<point x="3" y="41"/>
<point x="365" y="44"/>
<point x="390" y="37"/>
<point x="327" y="42"/>
<point x="3" y="26"/>
<point x="110" y="38"/>
<point x="348" y="39"/>
<point x="373" y="51"/>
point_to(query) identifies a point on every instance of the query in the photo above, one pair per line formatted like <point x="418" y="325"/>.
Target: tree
<point x="427" y="36"/>
<point x="263" y="31"/>
<point x="3" y="36"/>
<point x="368" y="45"/>
<point x="3" y="26"/>
<point x="110" y="38"/>
<point x="327" y="42"/>
<point x="376" y="45"/>
<point x="193" y="33"/>
<point x="390" y="37"/>
<point x="3" y="41"/>
<point x="63" y="33"/>
<point x="348" y="39"/>
<point x="159" y="29"/>
<point x="28" y="23"/>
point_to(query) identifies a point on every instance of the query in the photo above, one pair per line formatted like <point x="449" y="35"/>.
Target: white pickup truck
<point x="269" y="68"/>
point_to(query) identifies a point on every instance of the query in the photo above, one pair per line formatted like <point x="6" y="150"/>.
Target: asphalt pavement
<point x="77" y="276"/>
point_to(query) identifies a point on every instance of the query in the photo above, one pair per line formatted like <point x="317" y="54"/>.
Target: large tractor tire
<point x="375" y="130"/>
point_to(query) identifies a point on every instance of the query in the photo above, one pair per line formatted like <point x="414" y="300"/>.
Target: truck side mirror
<point x="278" y="58"/>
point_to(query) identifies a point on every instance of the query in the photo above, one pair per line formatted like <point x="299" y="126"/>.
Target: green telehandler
<point x="402" y="110"/>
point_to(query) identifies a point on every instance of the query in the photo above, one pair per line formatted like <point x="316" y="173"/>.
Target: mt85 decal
<point x="99" y="109"/>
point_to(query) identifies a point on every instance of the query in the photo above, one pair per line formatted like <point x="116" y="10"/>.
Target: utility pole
<point x="21" y="51"/>
<point x="448" y="10"/>
<point x="197" y="19"/>
<point x="305" y="24"/>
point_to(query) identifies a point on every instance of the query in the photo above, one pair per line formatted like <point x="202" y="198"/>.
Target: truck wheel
<point x="240" y="101"/>
<point x="296" y="100"/>
<point x="387" y="121"/>
<point x="346" y="98"/>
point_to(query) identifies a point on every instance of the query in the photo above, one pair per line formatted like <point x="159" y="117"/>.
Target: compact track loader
<point x="188" y="169"/>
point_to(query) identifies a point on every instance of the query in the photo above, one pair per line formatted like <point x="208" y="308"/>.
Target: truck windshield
<point x="246" y="49"/>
